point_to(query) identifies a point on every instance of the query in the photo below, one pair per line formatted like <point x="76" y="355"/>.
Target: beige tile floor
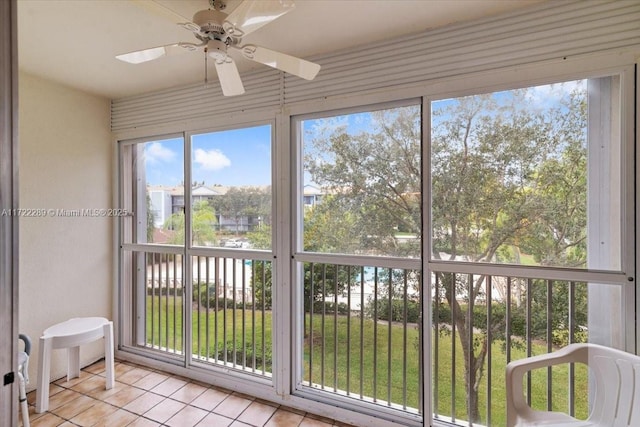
<point x="147" y="397"/>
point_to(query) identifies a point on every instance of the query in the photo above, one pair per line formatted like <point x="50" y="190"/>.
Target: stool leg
<point x="44" y="365"/>
<point x="24" y="408"/>
<point x="73" y="362"/>
<point x="108" y="355"/>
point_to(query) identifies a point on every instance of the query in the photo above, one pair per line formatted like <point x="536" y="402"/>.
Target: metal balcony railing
<point x="362" y="331"/>
<point x="230" y="309"/>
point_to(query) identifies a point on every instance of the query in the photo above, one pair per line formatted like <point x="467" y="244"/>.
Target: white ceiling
<point x="74" y="42"/>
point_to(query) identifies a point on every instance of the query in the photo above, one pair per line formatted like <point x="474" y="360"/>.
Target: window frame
<point x="299" y="256"/>
<point x="509" y="79"/>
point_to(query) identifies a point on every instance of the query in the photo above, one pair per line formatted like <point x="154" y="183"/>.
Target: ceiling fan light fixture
<point x="217" y="50"/>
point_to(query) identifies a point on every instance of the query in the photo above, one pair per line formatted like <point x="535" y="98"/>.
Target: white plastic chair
<point x="615" y="403"/>
<point x="23" y="377"/>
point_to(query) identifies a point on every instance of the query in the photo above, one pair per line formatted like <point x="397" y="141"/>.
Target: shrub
<point x="247" y="351"/>
<point x="380" y="309"/>
<point x="329" y="307"/>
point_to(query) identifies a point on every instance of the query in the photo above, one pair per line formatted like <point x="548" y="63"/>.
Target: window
<point x="358" y="260"/>
<point x="231" y="191"/>
<point x="158" y="168"/>
<point x="362" y="182"/>
<point x="527" y="194"/>
<point x="195" y="258"/>
<point x="517" y="174"/>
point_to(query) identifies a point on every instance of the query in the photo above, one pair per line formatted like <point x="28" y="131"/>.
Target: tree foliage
<point x="203" y="221"/>
<point x="244" y="202"/>
<point x="373" y="177"/>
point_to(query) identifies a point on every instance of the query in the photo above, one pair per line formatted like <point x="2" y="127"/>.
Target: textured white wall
<point x="66" y="263"/>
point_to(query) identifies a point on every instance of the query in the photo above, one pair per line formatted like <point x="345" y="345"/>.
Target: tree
<point x="150" y="220"/>
<point x="374" y="176"/>
<point x="203" y="221"/>
<point x="244" y="202"/>
<point x="505" y="179"/>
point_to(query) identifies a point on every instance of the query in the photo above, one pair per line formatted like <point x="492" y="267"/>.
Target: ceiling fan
<point x="218" y="32"/>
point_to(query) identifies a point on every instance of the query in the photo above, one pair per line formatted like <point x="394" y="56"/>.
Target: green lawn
<point x="335" y="352"/>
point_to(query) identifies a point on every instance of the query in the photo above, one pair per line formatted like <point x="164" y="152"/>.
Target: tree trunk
<point x="472" y="362"/>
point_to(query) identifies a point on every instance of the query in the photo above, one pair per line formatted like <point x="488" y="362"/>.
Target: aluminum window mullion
<point x="187" y="259"/>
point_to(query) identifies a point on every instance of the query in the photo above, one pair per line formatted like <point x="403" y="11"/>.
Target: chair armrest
<point x="27" y="343"/>
<point x="516" y="402"/>
<point x="569" y="354"/>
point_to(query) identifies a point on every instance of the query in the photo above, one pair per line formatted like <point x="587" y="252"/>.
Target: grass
<point x="354" y="359"/>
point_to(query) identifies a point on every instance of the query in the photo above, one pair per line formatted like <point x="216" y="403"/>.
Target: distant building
<point x="311" y="196"/>
<point x="167" y="200"/>
<point x="161" y="201"/>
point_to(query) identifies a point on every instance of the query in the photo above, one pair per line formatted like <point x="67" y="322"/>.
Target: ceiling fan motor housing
<point x="210" y="21"/>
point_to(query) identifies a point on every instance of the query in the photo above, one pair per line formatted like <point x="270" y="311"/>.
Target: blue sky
<point x="242" y="157"/>
<point x="239" y="157"/>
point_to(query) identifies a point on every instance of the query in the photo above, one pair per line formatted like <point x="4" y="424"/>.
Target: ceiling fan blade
<point x="281" y="61"/>
<point x="229" y="78"/>
<point x="150" y="54"/>
<point x="253" y="14"/>
<point x="167" y="13"/>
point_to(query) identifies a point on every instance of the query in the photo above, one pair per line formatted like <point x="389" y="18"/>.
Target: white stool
<point x="70" y="335"/>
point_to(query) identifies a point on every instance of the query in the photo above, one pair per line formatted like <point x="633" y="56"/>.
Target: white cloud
<point x="155" y="152"/>
<point x="545" y="95"/>
<point x="211" y="159"/>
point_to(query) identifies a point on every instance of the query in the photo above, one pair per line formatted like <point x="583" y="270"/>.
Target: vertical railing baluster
<point x="199" y="304"/>
<point x="311" y="310"/>
<point x="207" y="279"/>
<point x="264" y="312"/>
<point x="253" y="312"/>
<point x="335" y="327"/>
<point x="571" y="315"/>
<point x="234" y="281"/>
<point x="436" y="343"/>
<point x="362" y="281"/>
<point x="166" y="302"/>
<point x="217" y="279"/>
<point x="243" y="311"/>
<point x="348" y="279"/>
<point x="452" y="306"/>
<point x="528" y="333"/>
<point x="421" y="344"/>
<point x="152" y="299"/>
<point x="508" y="320"/>
<point x="323" y="324"/>
<point x="375" y="334"/>
<point x="549" y="343"/>
<point x="159" y="304"/>
<point x="160" y="301"/>
<point x="470" y="330"/>
<point x="489" y="303"/>
<point x="405" y="315"/>
<point x="390" y="322"/>
<point x="175" y="296"/>
<point x="224" y="309"/>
